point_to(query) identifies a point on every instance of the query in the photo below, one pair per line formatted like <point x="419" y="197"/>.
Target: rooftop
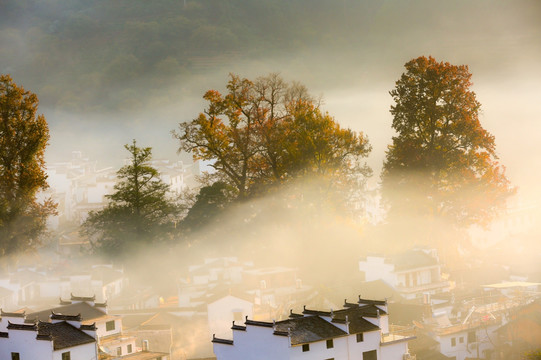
<point x="309" y="329"/>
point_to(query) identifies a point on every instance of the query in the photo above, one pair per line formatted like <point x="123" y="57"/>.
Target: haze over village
<point x="257" y="179"/>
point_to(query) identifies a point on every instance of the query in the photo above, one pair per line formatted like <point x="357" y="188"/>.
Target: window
<point x="15" y="356"/>
<point x="110" y="325"/>
<point x="119" y="351"/>
<point x="472" y="337"/>
<point x="129" y="350"/>
<point x="453" y="341"/>
<point x="66" y="355"/>
<point x="360" y="337"/>
<point x="330" y="344"/>
<point x="461" y="339"/>
<point x="370" y="355"/>
<point x="305" y="347"/>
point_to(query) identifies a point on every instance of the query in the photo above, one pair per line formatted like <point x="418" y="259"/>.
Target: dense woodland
<point x="89" y="55"/>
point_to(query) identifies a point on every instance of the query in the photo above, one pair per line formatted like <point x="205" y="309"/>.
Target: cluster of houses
<point x="79" y="186"/>
<point x="411" y="308"/>
<point x="226" y="308"/>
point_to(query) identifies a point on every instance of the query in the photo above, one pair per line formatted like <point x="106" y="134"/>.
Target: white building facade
<point x="359" y="331"/>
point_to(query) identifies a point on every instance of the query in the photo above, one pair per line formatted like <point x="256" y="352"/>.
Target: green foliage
<point x="139" y="212"/>
<point x="442" y="163"/>
<point x="211" y="201"/>
<point x="266" y="133"/>
<point x="23" y="137"/>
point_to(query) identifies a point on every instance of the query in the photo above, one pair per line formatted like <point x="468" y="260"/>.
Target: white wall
<point x="24" y="342"/>
<point x="81" y="352"/>
<point x="375" y="268"/>
<point x="221" y="314"/>
<point x="102" y="327"/>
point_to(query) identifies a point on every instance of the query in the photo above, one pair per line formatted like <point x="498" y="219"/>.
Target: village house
<point x="62" y="337"/>
<point x="358" y="331"/>
<point x="412" y="273"/>
<point x="108" y="328"/>
<point x="28" y="286"/>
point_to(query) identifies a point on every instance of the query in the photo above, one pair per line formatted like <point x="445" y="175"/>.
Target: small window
<point x="305" y="347"/>
<point x="370" y="355"/>
<point x="360" y="337"/>
<point x="15" y="356"/>
<point x="461" y="339"/>
<point x="129" y="350"/>
<point x="66" y="355"/>
<point x="472" y="337"/>
<point x="110" y="325"/>
<point x="119" y="350"/>
<point x="453" y="341"/>
<point x="330" y="344"/>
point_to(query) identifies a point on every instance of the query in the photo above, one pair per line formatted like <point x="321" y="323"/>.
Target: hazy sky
<point x="499" y="40"/>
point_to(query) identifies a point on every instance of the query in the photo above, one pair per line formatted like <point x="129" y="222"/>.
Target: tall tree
<point x="23" y="138"/>
<point x="442" y="163"/>
<point x="139" y="212"/>
<point x="268" y="132"/>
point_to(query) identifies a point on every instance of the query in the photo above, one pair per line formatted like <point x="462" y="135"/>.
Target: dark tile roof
<point x="308" y="329"/>
<point x="355" y="317"/>
<point x="238" y="327"/>
<point x="362" y="310"/>
<point x="64" y="335"/>
<point x="258" y="323"/>
<point x="221" y="341"/>
<point x="58" y="316"/>
<point x="91" y="327"/>
<point x="12" y="326"/>
<point x="87" y="312"/>
<point x="306" y="311"/>
<point x="371" y="302"/>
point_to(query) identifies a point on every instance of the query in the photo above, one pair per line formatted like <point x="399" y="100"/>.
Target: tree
<point x="139" y="212"/>
<point x="23" y="139"/>
<point x="266" y="133"/>
<point x="211" y="201"/>
<point x="442" y="163"/>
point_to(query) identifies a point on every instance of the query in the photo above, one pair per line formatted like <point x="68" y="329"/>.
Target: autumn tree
<point x="23" y="138"/>
<point x="267" y="132"/>
<point x="139" y="212"/>
<point x="442" y="163"/>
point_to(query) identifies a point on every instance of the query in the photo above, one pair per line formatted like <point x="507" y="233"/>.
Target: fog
<point x="498" y="40"/>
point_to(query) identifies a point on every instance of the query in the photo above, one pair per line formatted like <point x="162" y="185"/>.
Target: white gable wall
<point x="24" y="342"/>
<point x="81" y="352"/>
<point x="221" y="314"/>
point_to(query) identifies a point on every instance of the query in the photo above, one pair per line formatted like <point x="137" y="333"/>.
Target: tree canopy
<point x="267" y="132"/>
<point x="139" y="211"/>
<point x="23" y="138"/>
<point x="442" y="163"/>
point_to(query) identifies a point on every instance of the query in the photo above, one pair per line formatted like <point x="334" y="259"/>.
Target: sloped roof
<point x="87" y="312"/>
<point x="309" y="329"/>
<point x="64" y="335"/>
<point x="355" y="317"/>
